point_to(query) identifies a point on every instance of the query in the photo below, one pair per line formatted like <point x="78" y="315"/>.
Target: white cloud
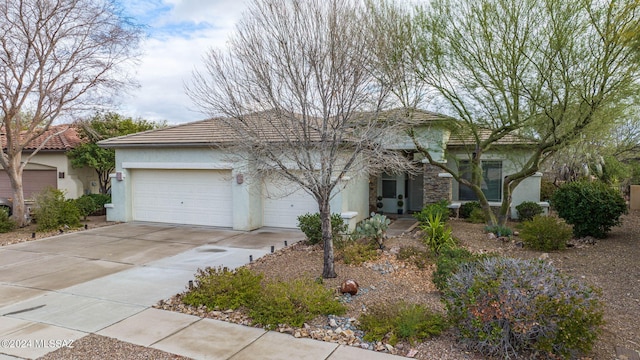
<point x="180" y="33"/>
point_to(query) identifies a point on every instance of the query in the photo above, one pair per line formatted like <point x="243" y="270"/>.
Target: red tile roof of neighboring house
<point x="56" y="138"/>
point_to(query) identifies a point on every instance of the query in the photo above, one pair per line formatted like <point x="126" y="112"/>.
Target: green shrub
<point x="269" y="304"/>
<point x="357" y="252"/>
<point x="439" y="208"/>
<point x="374" y="228"/>
<point x="593" y="208"/>
<point x="401" y="321"/>
<point x="477" y="216"/>
<point x="221" y="288"/>
<point x="293" y="303"/>
<point x="508" y="307"/>
<point x="100" y="200"/>
<point x="467" y="208"/>
<point x="528" y="209"/>
<point x="51" y="210"/>
<point x="86" y="205"/>
<point x="311" y="226"/>
<point x="499" y="230"/>
<point x="411" y="254"/>
<point x="6" y="223"/>
<point x="448" y="262"/>
<point x="437" y="234"/>
<point x="545" y="233"/>
<point x="547" y="188"/>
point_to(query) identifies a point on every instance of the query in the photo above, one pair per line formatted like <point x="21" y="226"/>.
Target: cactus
<point x="374" y="228"/>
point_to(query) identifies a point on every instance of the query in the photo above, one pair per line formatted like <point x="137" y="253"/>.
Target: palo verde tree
<point x="58" y="58"/>
<point x="296" y="86"/>
<point x="546" y="71"/>
<point x="99" y="127"/>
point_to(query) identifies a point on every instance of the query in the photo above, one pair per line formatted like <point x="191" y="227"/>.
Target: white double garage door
<point x="204" y="197"/>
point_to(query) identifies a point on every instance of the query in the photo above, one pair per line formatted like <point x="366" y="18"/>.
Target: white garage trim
<point x="283" y="203"/>
<point x="194" y="197"/>
<point x="176" y="165"/>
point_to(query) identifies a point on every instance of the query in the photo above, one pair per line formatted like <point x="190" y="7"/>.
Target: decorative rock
<point x="349" y="286"/>
<point x="491" y="236"/>
<point x="504" y="239"/>
<point x="412" y="353"/>
<point x="544" y="256"/>
<point x="516" y="233"/>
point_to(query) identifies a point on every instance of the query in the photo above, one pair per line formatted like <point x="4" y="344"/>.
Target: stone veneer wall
<point x="436" y="188"/>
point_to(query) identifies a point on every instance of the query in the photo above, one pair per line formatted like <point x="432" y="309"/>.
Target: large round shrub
<point x="593" y="208"/>
<point x="509" y="307"/>
<point x="545" y="233"/>
<point x="528" y="209"/>
<point x="311" y="226"/>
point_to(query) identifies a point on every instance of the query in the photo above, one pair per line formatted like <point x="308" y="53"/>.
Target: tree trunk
<point x="14" y="171"/>
<point x="328" y="270"/>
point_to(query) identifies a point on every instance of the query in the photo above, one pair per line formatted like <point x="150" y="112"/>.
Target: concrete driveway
<point x="66" y="286"/>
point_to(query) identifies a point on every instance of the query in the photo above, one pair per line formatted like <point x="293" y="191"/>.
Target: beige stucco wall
<point x="75" y="183"/>
<point x="247" y="197"/>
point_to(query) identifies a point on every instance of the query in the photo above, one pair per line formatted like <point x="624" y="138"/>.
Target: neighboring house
<point x="50" y="167"/>
<point x="186" y="174"/>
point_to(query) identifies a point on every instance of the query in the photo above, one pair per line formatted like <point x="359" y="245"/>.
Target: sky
<point x="179" y="33"/>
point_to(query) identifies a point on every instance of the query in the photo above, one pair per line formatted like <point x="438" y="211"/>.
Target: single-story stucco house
<point x="183" y="174"/>
<point x="51" y="167"/>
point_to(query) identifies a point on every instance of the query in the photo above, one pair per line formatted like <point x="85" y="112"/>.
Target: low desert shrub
<point x="467" y="208"/>
<point x="509" y="307"/>
<point x="358" y="252"/>
<point x="448" y="262"/>
<point x="477" y="216"/>
<point x="52" y="211"/>
<point x="528" y="209"/>
<point x="545" y="233"/>
<point x="267" y="303"/>
<point x="411" y="254"/>
<point x="293" y="303"/>
<point x="439" y="208"/>
<point x="221" y="288"/>
<point x="311" y="226"/>
<point x="437" y="234"/>
<point x="499" y="230"/>
<point x="374" y="228"/>
<point x="593" y="208"/>
<point x="6" y="223"/>
<point x="401" y="321"/>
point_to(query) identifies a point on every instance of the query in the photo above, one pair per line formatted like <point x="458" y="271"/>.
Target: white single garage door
<point x="283" y="203"/>
<point x="194" y="197"/>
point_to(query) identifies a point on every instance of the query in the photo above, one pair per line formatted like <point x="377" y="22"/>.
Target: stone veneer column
<point x="436" y="188"/>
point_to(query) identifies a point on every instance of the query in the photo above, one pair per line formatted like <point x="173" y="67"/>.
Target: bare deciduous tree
<point x="297" y="86"/>
<point x="57" y="57"/>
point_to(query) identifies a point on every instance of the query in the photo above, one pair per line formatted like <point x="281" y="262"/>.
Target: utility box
<point x="634" y="201"/>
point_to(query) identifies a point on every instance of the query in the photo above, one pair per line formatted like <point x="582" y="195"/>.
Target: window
<point x="389" y="186"/>
<point x="491" y="181"/>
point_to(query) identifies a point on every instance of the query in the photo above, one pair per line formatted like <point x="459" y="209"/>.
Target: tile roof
<point x="57" y="137"/>
<point x="462" y="139"/>
<point x="215" y="131"/>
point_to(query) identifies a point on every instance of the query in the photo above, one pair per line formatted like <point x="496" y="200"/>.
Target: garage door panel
<point x="33" y="182"/>
<point x="283" y="204"/>
<point x="195" y="197"/>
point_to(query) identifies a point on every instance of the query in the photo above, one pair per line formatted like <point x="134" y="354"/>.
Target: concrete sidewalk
<point x="105" y="281"/>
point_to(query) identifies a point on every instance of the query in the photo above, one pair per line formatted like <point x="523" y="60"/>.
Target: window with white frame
<point x="491" y="180"/>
